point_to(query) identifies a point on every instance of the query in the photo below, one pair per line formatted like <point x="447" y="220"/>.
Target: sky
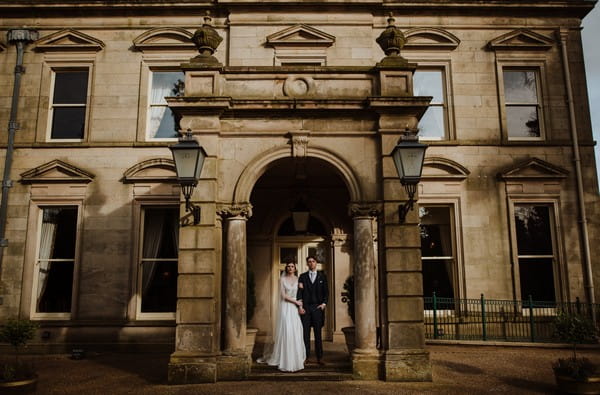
<point x="591" y="51"/>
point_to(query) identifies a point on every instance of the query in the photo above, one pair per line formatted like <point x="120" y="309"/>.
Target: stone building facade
<point x="299" y="103"/>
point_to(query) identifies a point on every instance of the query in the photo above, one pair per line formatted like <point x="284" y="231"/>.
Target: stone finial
<point x="391" y="40"/>
<point x="207" y="40"/>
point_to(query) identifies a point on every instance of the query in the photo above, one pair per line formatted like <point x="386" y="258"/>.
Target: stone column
<point x="234" y="363"/>
<point x="365" y="357"/>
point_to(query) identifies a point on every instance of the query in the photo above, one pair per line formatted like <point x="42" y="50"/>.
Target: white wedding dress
<point x="288" y="352"/>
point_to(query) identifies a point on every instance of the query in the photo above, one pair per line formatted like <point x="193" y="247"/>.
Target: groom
<point x="313" y="293"/>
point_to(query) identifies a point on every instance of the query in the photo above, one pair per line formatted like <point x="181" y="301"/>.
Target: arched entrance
<point x="273" y="239"/>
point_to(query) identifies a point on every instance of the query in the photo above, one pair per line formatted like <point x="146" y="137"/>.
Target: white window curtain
<point x="47" y="239"/>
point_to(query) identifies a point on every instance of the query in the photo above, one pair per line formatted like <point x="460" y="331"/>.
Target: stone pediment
<point x="301" y="35"/>
<point x="68" y="40"/>
<point x="521" y="39"/>
<point x="173" y="38"/>
<point x="160" y="170"/>
<point x="56" y="172"/>
<point x="534" y="169"/>
<point x="430" y="38"/>
<point x="436" y="168"/>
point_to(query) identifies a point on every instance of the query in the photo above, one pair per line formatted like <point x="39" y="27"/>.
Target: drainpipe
<point x="19" y="37"/>
<point x="589" y="280"/>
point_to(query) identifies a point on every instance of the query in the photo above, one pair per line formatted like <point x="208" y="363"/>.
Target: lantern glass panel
<point x="186" y="161"/>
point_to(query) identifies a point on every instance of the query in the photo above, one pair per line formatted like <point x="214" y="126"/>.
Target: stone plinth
<point x="407" y="365"/>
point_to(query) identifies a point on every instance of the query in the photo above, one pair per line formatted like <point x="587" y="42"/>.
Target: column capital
<point x="562" y="34"/>
<point x="364" y="209"/>
<point x="229" y="210"/>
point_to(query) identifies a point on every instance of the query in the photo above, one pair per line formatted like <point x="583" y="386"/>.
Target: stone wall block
<point x="403" y="260"/>
<point x="404" y="284"/>
<point x="197" y="261"/>
<point x="195" y="286"/>
<point x="405" y="309"/>
<point x="402" y="236"/>
<point x="195" y="338"/>
<point x="193" y="310"/>
<point x="406" y="335"/>
<point x="197" y="237"/>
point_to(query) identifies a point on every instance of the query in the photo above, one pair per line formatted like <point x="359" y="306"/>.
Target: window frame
<point x="557" y="251"/>
<point x="148" y="66"/>
<point x="36" y="213"/>
<point x="458" y="273"/>
<point x="54" y="68"/>
<point x="445" y="66"/>
<point x="539" y="67"/>
<point x="140" y="205"/>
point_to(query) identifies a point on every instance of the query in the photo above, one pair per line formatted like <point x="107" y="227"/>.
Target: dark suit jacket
<point x="312" y="293"/>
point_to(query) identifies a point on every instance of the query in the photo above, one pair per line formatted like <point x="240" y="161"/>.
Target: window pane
<point x="60" y="225"/>
<point x="68" y="123"/>
<point x="522" y="121"/>
<point x="162" y="123"/>
<point x="429" y="83"/>
<point x="533" y="230"/>
<point x="159" y="287"/>
<point x="520" y="86"/>
<point x="437" y="277"/>
<point x="70" y="87"/>
<point x="57" y="241"/>
<point x="55" y="285"/>
<point x="165" y="84"/>
<point x="537" y="279"/>
<point x="161" y="233"/>
<point x="288" y="254"/>
<point x="433" y="125"/>
<point x="160" y="241"/>
<point x="436" y="234"/>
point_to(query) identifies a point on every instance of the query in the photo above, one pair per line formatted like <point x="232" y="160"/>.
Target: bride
<point x="288" y="352"/>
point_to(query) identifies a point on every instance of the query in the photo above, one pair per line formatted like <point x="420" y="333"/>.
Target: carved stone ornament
<point x="235" y="210"/>
<point x="391" y="40"/>
<point x="364" y="209"/>
<point x="206" y="40"/>
<point x="299" y="140"/>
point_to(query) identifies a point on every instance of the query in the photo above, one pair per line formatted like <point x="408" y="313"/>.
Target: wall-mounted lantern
<point x="189" y="157"/>
<point x="408" y="157"/>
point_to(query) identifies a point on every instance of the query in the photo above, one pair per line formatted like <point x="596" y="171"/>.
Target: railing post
<point x="531" y="320"/>
<point x="483" y="327"/>
<point x="578" y="305"/>
<point x="435" y="325"/>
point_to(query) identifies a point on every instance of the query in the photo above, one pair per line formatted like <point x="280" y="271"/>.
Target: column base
<point x="233" y="367"/>
<point x="407" y="365"/>
<point x="366" y="365"/>
<point x="192" y="370"/>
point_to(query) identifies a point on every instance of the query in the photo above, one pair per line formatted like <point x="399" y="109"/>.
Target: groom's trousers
<point x="314" y="317"/>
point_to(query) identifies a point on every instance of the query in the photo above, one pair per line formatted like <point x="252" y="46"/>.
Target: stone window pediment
<point x="56" y="171"/>
<point x="430" y="38"/>
<point x="534" y="169"/>
<point x="161" y="39"/>
<point x="68" y="40"/>
<point x="443" y="169"/>
<point x="158" y="170"/>
<point x="300" y="35"/>
<point x="521" y="39"/>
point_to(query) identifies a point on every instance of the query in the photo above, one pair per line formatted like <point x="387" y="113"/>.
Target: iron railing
<point x="497" y="320"/>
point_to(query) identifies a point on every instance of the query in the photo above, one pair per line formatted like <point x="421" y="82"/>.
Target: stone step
<point x="328" y="368"/>
<point x="299" y="376"/>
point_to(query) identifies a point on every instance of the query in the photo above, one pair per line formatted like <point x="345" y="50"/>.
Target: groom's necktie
<point x="313" y="275"/>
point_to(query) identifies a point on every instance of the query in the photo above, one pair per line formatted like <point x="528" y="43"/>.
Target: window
<point x="157" y="274"/>
<point x="535" y="251"/>
<point x="55" y="262"/>
<point x="68" y="105"/>
<point x="430" y="82"/>
<point x="437" y="251"/>
<point x="162" y="123"/>
<point x="522" y="101"/>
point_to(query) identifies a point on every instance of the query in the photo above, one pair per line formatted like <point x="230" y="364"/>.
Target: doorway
<point x="298" y="249"/>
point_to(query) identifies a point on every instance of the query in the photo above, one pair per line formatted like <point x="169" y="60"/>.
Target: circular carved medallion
<point x="298" y="86"/>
